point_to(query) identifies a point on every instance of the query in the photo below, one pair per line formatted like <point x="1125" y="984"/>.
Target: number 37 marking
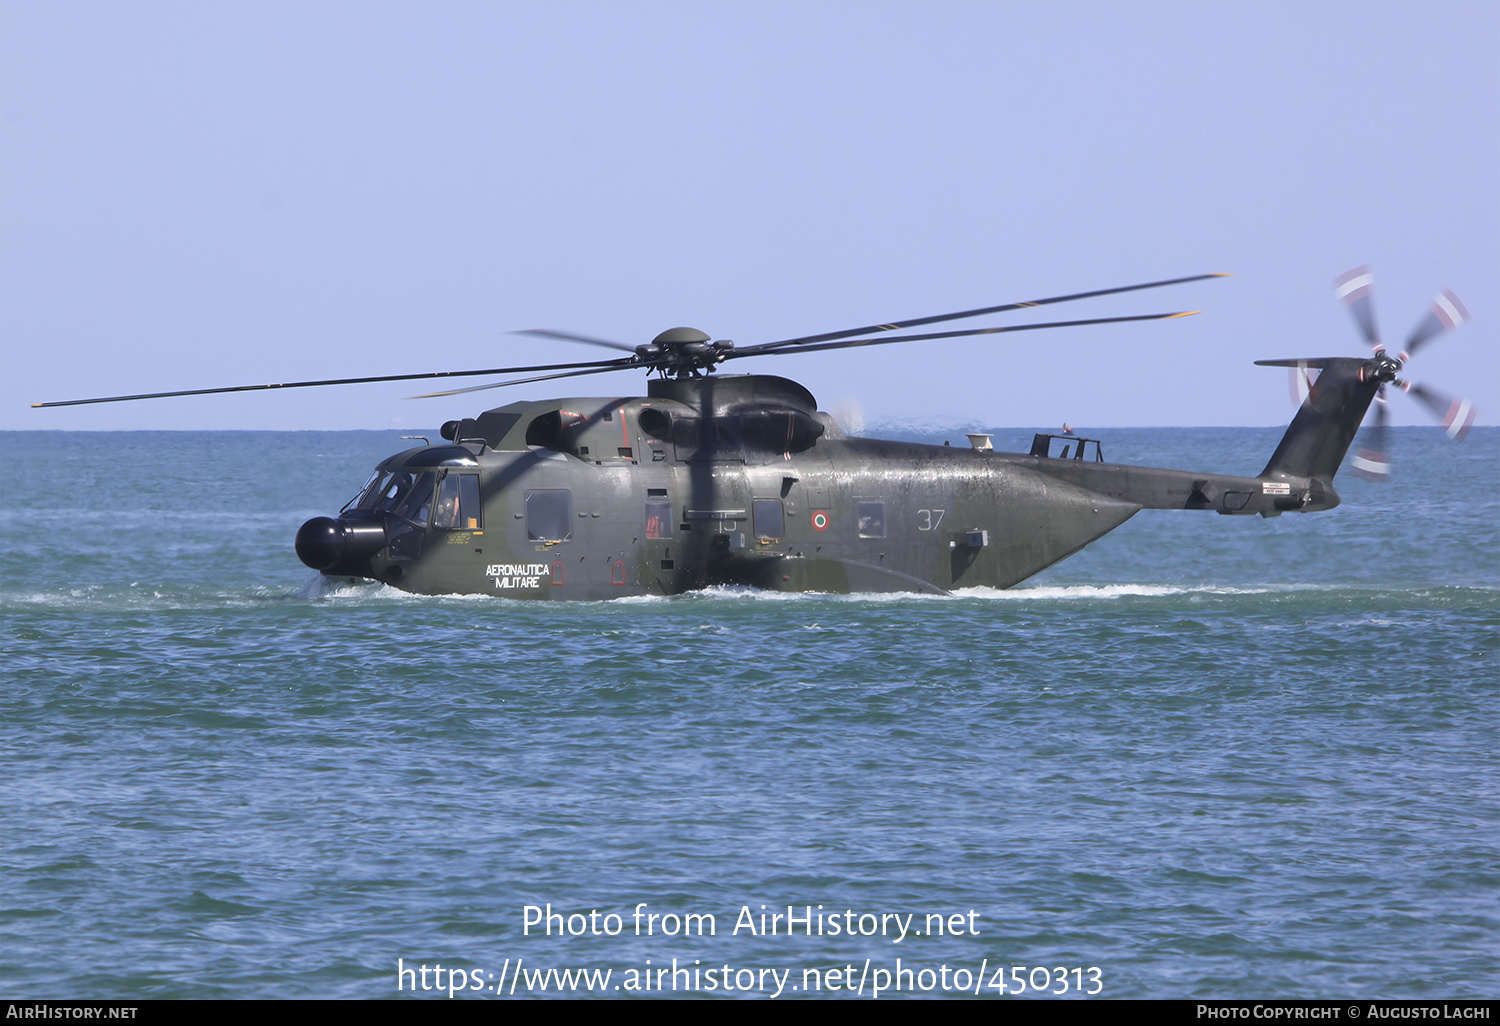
<point x="928" y="519"/>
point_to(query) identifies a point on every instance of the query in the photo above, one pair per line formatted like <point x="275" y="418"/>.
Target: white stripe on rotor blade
<point x="1448" y="310"/>
<point x="1370" y="466"/>
<point x="1362" y="281"/>
<point x="1458" y="416"/>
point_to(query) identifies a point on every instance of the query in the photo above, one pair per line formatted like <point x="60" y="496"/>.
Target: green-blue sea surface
<point x="1209" y="756"/>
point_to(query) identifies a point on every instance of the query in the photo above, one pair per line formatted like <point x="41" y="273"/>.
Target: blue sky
<point x="195" y="195"/>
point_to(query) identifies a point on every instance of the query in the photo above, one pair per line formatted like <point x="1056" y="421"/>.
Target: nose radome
<point x="319" y="543"/>
<point x="327" y="544"/>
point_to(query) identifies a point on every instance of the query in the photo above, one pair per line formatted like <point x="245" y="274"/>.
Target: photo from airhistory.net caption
<point x="510" y="972"/>
<point x="664" y="973"/>
<point x="1162" y="1010"/>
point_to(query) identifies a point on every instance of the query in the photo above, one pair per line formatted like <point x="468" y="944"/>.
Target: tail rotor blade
<point x="1301" y="379"/>
<point x="1355" y="288"/>
<point x="1445" y="314"/>
<point x="1457" y="415"/>
<point x="1372" y="460"/>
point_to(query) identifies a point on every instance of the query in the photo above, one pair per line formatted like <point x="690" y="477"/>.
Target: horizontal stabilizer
<point x="1317" y="362"/>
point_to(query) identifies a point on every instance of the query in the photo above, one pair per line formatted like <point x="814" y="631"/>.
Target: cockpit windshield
<point x="416" y="504"/>
<point x="370" y="492"/>
<point x="406" y="494"/>
<point x="389" y="493"/>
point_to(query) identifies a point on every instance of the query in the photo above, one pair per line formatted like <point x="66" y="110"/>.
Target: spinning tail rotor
<point x="1372" y="459"/>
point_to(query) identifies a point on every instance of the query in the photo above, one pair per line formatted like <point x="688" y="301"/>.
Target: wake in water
<point x="140" y="597"/>
<point x="354" y="592"/>
<point x="1115" y="591"/>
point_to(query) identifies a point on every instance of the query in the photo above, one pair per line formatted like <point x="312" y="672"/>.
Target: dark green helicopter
<point x="714" y="479"/>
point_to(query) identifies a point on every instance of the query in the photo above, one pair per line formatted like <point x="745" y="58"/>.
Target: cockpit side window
<point x="446" y="516"/>
<point x="471" y="510"/>
<point x="458" y="506"/>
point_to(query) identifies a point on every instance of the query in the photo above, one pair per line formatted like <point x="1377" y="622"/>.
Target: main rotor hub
<point x="679" y="336"/>
<point x="683" y="352"/>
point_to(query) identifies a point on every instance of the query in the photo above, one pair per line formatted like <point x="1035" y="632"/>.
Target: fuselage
<point x="736" y="480"/>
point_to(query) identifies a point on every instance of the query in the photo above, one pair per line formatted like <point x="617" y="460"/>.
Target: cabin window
<point x="658" y="520"/>
<point x="458" y="507"/>
<point x="549" y="515"/>
<point x="769" y="520"/>
<point x="870" y="518"/>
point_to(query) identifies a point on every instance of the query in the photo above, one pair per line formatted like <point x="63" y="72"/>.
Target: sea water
<point x="1207" y="757"/>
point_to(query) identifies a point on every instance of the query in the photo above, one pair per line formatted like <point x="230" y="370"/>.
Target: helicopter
<point x="714" y="479"/>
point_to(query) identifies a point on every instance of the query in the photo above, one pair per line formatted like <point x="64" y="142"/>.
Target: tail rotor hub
<point x="1384" y="368"/>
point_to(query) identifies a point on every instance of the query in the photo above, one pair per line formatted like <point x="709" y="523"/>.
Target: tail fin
<point x="1319" y="436"/>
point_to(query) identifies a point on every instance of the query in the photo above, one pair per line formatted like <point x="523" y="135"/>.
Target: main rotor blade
<point x="1355" y="288"/>
<point x="524" y="381"/>
<point x="1445" y="314"/>
<point x="585" y="339"/>
<point x="919" y="321"/>
<point x="609" y="365"/>
<point x="1457" y="415"/>
<point x="771" y="348"/>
